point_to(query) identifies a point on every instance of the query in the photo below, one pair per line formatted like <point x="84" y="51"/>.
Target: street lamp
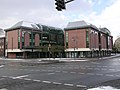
<point x="49" y="50"/>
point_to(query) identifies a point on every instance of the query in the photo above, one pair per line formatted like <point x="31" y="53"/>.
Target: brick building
<point x="30" y="40"/>
<point x="86" y="40"/>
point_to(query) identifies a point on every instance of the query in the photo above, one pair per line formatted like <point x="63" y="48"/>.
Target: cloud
<point x="44" y="12"/>
<point x="109" y="17"/>
<point x="38" y="11"/>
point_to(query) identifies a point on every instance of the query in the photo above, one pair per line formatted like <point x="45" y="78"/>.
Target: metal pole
<point x="68" y="1"/>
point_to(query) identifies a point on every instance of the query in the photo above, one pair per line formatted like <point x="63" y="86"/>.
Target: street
<point x="74" y="75"/>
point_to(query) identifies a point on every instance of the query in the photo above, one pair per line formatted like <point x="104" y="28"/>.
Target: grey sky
<point x="38" y="11"/>
<point x="103" y="13"/>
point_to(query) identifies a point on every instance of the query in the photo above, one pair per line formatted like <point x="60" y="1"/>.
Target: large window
<point x="87" y="39"/>
<point x="66" y="39"/>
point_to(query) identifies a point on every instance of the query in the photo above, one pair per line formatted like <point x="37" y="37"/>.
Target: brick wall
<point x="12" y="37"/>
<point x="77" y="38"/>
<point x="37" y="39"/>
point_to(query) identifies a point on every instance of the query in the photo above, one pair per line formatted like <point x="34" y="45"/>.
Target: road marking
<point x="57" y="71"/>
<point x="111" y="69"/>
<point x="103" y="69"/>
<point x="64" y="71"/>
<point x="99" y="66"/>
<point x="27" y="79"/>
<point x="39" y="70"/>
<point x="106" y="66"/>
<point x="35" y="80"/>
<point x="32" y="70"/>
<point x="2" y="66"/>
<point x="95" y="63"/>
<point x="72" y="72"/>
<point x="76" y="67"/>
<point x="53" y="67"/>
<point x="18" y="77"/>
<point x="50" y="70"/>
<point x="63" y="67"/>
<point x="90" y="74"/>
<point x="117" y="75"/>
<point x="109" y="75"/>
<point x="2" y="78"/>
<point x="57" y="83"/>
<point x="81" y="73"/>
<point x="90" y="68"/>
<point x="96" y="68"/>
<point x="99" y="74"/>
<point x="46" y="81"/>
<point x="58" y="67"/>
<point x="87" y="66"/>
<point x="81" y="86"/>
<point x="50" y="73"/>
<point x="83" y="68"/>
<point x="70" y="67"/>
<point x="66" y="84"/>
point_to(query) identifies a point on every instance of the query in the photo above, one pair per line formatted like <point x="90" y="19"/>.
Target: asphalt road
<point x="79" y="75"/>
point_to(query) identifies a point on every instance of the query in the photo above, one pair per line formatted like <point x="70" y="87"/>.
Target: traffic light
<point x="60" y="5"/>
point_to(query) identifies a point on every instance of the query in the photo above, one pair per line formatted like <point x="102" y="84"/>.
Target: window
<point x="53" y="37"/>
<point x="87" y="39"/>
<point x="66" y="39"/>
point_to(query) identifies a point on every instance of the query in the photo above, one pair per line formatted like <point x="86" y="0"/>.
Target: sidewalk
<point x="61" y="59"/>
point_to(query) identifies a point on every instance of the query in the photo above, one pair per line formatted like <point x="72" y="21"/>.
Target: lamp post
<point x="49" y="50"/>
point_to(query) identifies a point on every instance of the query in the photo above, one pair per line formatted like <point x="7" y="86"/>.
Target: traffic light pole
<point x="60" y="4"/>
<point x="68" y="1"/>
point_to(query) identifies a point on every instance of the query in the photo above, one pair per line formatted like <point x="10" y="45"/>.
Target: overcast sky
<point x="102" y="13"/>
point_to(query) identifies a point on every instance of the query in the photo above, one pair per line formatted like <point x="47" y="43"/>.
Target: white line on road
<point x="35" y="80"/>
<point x="57" y="71"/>
<point x="90" y="74"/>
<point x="27" y="79"/>
<point x="2" y="66"/>
<point x="66" y="84"/>
<point x="118" y="70"/>
<point x="83" y="68"/>
<point x="96" y="68"/>
<point x="99" y="66"/>
<point x="90" y="68"/>
<point x="40" y="70"/>
<point x="105" y="66"/>
<point x="2" y="78"/>
<point x="50" y="73"/>
<point x="111" y="69"/>
<point x="43" y="70"/>
<point x="81" y="73"/>
<point x="99" y="74"/>
<point x="109" y="75"/>
<point x="64" y="71"/>
<point x="57" y="83"/>
<point x="46" y="81"/>
<point x="81" y="86"/>
<point x="95" y="63"/>
<point x="103" y="69"/>
<point x="117" y="75"/>
<point x="72" y="72"/>
<point x="50" y="70"/>
<point x="18" y="77"/>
